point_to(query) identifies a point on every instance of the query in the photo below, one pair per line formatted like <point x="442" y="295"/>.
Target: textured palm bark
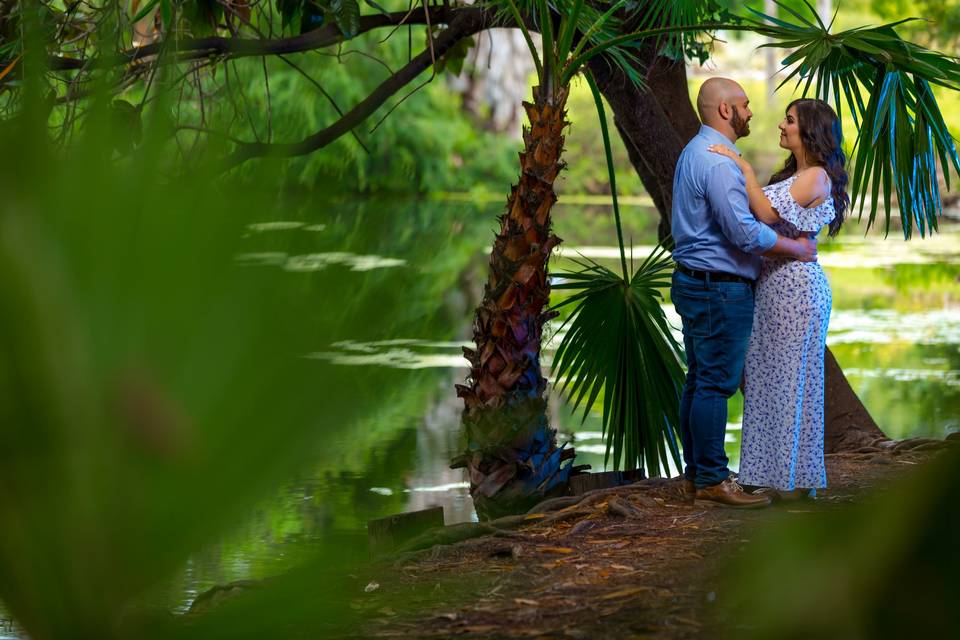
<point x="512" y="457"/>
<point x="655" y="125"/>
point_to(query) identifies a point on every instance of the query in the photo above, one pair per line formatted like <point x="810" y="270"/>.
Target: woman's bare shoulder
<point x="811" y="187"/>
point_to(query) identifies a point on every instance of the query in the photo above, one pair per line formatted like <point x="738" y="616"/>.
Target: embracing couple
<point x="754" y="301"/>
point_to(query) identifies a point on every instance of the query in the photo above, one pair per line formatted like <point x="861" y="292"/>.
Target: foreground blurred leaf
<point x="883" y="569"/>
<point x="153" y="388"/>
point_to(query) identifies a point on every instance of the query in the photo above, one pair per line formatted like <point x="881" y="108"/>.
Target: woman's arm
<point x="759" y="204"/>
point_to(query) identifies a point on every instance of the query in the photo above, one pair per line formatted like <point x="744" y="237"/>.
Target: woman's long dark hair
<point x="822" y="138"/>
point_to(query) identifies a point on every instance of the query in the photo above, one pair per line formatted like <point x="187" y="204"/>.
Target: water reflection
<point x="318" y="261"/>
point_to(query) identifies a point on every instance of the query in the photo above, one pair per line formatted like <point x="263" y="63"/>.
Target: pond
<point x="895" y="329"/>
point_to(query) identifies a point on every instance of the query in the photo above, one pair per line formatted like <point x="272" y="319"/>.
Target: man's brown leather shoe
<point x="689" y="491"/>
<point x="732" y="494"/>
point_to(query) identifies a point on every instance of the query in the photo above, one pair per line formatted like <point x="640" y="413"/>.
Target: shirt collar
<point x="715" y="137"/>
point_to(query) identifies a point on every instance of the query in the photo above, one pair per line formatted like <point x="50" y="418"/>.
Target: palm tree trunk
<point x="512" y="455"/>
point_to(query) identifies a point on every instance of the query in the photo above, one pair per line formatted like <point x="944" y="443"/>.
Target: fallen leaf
<point x="622" y="593"/>
<point x="621" y="567"/>
<point x="556" y="550"/>
<point x="687" y="621"/>
<point x="526" y="602"/>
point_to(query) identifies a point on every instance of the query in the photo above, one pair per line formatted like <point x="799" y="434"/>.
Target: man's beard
<point x="740" y="126"/>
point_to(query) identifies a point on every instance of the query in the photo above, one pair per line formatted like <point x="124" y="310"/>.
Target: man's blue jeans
<point x="717" y="319"/>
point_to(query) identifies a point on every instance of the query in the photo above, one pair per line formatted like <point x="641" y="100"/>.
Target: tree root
<point x="562" y="508"/>
<point x="623" y="508"/>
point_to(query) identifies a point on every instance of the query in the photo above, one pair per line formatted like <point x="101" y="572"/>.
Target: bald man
<point x="718" y="249"/>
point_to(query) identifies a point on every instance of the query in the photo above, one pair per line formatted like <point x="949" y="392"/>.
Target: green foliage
<point x="453" y="59"/>
<point x="683" y="45"/>
<point x="428" y="143"/>
<point x="902" y="134"/>
<point x="132" y="419"/>
<point x="346" y="13"/>
<point x="940" y="26"/>
<point x="154" y="385"/>
<point x="618" y="341"/>
<point x="305" y="15"/>
<point x="203" y="15"/>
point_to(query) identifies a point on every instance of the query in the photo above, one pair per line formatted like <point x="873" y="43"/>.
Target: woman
<point x="782" y="443"/>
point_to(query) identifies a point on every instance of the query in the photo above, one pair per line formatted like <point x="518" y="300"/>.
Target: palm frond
<point x="601" y="28"/>
<point x="618" y="342"/>
<point x="684" y="18"/>
<point x="901" y="132"/>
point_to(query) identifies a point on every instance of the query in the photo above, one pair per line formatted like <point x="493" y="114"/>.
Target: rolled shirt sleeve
<point x="727" y="194"/>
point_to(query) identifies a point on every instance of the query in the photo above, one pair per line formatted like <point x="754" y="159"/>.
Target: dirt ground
<point x="630" y="562"/>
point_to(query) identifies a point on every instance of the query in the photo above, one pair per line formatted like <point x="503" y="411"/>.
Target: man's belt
<point x="713" y="276"/>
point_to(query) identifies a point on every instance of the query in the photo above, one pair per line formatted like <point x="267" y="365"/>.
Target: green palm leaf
<point x="618" y="342"/>
<point x="901" y="133"/>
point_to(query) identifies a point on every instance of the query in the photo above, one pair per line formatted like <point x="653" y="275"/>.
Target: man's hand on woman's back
<point x="803" y="249"/>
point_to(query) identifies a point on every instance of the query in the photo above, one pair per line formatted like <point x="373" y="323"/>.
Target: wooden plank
<point x="387" y="533"/>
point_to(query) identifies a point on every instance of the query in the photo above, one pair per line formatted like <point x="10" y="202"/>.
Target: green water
<point x="895" y="329"/>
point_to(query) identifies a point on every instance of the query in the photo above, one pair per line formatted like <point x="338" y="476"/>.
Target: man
<point x="718" y="248"/>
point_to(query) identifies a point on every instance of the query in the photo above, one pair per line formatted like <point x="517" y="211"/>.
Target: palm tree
<point x="512" y="456"/>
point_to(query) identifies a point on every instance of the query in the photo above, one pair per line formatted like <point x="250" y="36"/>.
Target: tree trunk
<point x="512" y="456"/>
<point x="847" y="423"/>
<point x="655" y="126"/>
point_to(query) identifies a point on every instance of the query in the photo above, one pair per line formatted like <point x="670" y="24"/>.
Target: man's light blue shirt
<point x="713" y="228"/>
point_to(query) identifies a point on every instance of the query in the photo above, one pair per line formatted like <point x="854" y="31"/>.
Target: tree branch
<point x="187" y="49"/>
<point x="464" y="23"/>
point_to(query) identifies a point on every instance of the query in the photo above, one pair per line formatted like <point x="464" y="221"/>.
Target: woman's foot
<point x="778" y="495"/>
<point x="798" y="494"/>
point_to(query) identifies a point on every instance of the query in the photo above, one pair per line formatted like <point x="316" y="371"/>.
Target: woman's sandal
<point x="796" y="495"/>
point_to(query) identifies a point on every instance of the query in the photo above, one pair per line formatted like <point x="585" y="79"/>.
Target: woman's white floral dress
<point x="782" y="443"/>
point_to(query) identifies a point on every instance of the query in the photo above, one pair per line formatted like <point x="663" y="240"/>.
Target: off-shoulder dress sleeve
<point x="804" y="219"/>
